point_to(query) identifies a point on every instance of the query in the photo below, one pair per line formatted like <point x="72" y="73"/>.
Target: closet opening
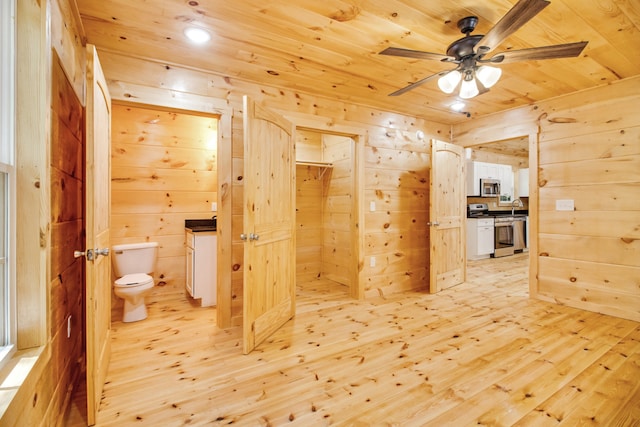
<point x="327" y="238"/>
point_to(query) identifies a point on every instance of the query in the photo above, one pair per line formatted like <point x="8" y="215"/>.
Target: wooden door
<point x="447" y="212"/>
<point x="98" y="271"/>
<point x="269" y="223"/>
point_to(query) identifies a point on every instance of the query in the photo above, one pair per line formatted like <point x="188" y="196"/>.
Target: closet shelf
<point x="322" y="165"/>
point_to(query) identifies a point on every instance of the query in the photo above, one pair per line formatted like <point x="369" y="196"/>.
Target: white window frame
<point x="7" y="165"/>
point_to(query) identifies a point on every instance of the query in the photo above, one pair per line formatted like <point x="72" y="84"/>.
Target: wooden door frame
<point x="359" y="140"/>
<point x="161" y="99"/>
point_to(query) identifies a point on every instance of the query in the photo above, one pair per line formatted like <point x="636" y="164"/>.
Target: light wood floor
<point x="481" y="353"/>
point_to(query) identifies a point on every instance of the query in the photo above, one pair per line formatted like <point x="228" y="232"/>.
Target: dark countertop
<point x="199" y="225"/>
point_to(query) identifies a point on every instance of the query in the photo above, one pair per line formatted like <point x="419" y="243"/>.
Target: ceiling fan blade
<point x="420" y="82"/>
<point x="408" y="53"/>
<point x="568" y="50"/>
<point x="519" y="15"/>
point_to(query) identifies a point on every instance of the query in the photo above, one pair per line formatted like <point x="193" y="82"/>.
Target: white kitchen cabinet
<point x="479" y="238"/>
<point x="505" y="175"/>
<point x="481" y="170"/>
<point x="201" y="266"/>
<point x="523" y="182"/>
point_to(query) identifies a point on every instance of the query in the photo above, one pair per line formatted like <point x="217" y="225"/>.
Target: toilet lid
<point x="135" y="279"/>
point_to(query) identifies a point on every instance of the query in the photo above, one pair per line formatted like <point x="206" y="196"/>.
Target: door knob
<point x="253" y="236"/>
<point x="103" y="251"/>
<point x="90" y="254"/>
<point x="243" y="236"/>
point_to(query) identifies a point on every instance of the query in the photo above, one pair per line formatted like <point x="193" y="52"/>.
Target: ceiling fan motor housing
<point x="468" y="24"/>
<point x="463" y="47"/>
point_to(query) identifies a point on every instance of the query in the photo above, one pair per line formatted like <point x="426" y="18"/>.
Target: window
<point x="7" y="177"/>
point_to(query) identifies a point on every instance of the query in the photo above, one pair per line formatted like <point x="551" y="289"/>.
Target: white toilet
<point x="133" y="263"/>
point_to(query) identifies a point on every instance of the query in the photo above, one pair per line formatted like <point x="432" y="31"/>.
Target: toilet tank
<point x="135" y="258"/>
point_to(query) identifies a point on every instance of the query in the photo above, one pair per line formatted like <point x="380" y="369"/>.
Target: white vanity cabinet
<point x="480" y="243"/>
<point x="201" y="268"/>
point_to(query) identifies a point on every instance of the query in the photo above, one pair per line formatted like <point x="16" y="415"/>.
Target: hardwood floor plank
<point x="479" y="353"/>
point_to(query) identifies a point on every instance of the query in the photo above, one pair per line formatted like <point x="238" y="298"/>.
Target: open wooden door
<point x="98" y="266"/>
<point x="269" y="223"/>
<point x="447" y="214"/>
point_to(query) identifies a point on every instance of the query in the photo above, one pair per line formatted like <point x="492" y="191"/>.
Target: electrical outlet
<point x="565" y="205"/>
<point x="372" y="261"/>
<point x="69" y="327"/>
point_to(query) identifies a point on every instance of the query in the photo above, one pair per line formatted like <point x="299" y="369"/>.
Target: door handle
<point x="434" y="223"/>
<point x="103" y="252"/>
<point x="91" y="254"/>
<point x="250" y="237"/>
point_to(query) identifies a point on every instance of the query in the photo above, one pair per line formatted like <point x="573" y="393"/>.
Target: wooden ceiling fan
<point x="469" y="52"/>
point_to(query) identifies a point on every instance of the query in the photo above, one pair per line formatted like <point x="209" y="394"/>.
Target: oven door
<point x="503" y="239"/>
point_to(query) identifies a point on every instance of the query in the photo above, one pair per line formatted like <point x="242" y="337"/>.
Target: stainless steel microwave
<point x="489" y="187"/>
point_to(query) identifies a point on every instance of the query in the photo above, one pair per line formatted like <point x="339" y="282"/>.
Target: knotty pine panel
<point x="385" y="284"/>
<point x="385" y="158"/>
<point x="607" y="250"/>
<point x="603" y="145"/>
<point x="132" y="155"/>
<point x="600" y="197"/>
<point x="128" y="178"/>
<point x="138" y="202"/>
<point x="309" y="146"/>
<point x="589" y="275"/>
<point x="309" y="211"/>
<point x="617" y="170"/>
<point x="621" y="224"/>
<point x="393" y="179"/>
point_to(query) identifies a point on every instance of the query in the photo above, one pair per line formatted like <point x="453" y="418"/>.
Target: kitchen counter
<point x="200" y="225"/>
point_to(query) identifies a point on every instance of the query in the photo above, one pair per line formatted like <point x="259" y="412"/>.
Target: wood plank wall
<point x="396" y="234"/>
<point x="589" y="152"/>
<point x="338" y="188"/>
<point x="309" y="207"/>
<point x="164" y="170"/>
<point x="150" y="82"/>
<point x="66" y="273"/>
<point x="49" y="283"/>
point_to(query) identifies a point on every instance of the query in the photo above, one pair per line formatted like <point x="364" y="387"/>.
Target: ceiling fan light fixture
<point x="488" y="76"/>
<point x="468" y="88"/>
<point x="449" y="81"/>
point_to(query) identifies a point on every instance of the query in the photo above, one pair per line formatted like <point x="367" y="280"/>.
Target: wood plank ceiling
<point x="330" y="48"/>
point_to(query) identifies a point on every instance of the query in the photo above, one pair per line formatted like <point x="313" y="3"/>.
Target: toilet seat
<point x="133" y="280"/>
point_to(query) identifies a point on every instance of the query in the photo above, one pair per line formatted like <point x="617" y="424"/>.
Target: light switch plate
<point x="372" y="262"/>
<point x="565" y="205"/>
<point x="214" y="206"/>
<point x="372" y="206"/>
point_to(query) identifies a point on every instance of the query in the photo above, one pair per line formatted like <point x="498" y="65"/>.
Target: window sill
<point x="18" y="378"/>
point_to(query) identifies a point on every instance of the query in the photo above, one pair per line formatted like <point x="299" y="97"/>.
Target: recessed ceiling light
<point x="457" y="106"/>
<point x="197" y="35"/>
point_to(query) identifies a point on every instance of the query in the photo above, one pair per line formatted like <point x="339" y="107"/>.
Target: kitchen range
<point x="494" y="234"/>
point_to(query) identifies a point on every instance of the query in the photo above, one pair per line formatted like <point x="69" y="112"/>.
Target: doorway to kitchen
<point x="507" y="162"/>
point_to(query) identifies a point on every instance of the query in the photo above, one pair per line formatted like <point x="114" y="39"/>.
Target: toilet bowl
<point x="133" y="264"/>
<point x="133" y="288"/>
